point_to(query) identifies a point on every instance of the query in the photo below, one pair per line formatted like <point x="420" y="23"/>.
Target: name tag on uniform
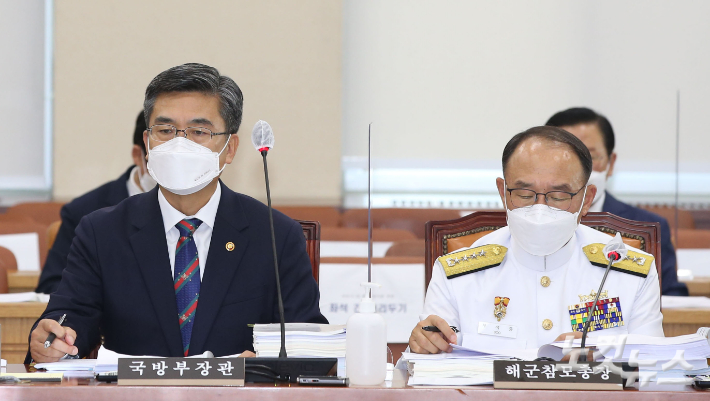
<point x="497" y="329"/>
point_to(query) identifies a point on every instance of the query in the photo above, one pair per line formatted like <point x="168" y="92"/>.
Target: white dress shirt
<point x="203" y="234"/>
<point x="537" y="312"/>
<point x="133" y="188"/>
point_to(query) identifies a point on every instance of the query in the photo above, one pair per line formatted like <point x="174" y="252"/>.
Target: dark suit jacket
<point x="109" y="194"/>
<point x="669" y="276"/>
<point x="118" y="281"/>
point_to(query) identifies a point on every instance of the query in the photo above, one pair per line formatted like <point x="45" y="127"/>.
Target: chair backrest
<point x="42" y="212"/>
<point x="447" y="236"/>
<point x="407" y="248"/>
<point x="360" y="234"/>
<point x="311" y="231"/>
<point x="685" y="217"/>
<point x="8" y="263"/>
<point x="692" y="239"/>
<point x="15" y="218"/>
<point x="52" y="231"/>
<point x="400" y="218"/>
<point x="327" y="216"/>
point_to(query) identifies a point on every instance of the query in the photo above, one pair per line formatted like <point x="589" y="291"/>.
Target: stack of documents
<point x="462" y="367"/>
<point x="106" y="361"/>
<point x="69" y="365"/>
<point x="302" y="340"/>
<point x="656" y="357"/>
<point x="620" y="348"/>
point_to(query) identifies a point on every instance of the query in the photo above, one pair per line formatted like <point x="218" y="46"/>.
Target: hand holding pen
<point x="50" y="341"/>
<point x="432" y="335"/>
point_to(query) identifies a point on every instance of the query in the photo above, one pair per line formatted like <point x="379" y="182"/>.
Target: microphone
<point x="283" y="368"/>
<point x="262" y="137"/>
<point x="614" y="250"/>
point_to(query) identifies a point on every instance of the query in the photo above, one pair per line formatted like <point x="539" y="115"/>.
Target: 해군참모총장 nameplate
<point x="557" y="375"/>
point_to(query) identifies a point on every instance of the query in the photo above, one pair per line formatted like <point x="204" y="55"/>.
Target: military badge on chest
<point x="606" y="316"/>
<point x="500" y="307"/>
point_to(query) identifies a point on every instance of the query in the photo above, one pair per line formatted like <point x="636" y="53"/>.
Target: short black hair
<point x="194" y="77"/>
<point x="553" y="134"/>
<point x="138" y="133"/>
<point x="583" y="115"/>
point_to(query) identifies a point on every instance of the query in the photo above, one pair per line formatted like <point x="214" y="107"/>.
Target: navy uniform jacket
<point x="109" y="194"/>
<point x="118" y="283"/>
<point x="669" y="275"/>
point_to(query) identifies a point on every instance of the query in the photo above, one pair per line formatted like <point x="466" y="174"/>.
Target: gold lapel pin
<point x="230" y="246"/>
<point x="500" y="307"/>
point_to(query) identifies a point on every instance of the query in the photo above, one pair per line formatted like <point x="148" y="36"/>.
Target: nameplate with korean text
<point x="180" y="371"/>
<point x="557" y="375"/>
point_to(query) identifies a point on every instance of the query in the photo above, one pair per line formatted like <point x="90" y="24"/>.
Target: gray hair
<point x="194" y="77"/>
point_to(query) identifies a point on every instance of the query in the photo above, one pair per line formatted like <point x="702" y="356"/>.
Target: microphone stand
<point x="613" y="256"/>
<point x="282" y="352"/>
<point x="283" y="368"/>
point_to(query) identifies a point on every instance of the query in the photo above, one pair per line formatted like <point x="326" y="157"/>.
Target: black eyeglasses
<point x="166" y="132"/>
<point x="522" y="197"/>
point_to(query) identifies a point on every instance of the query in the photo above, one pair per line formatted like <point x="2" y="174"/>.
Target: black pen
<point x="51" y="337"/>
<point x="435" y="329"/>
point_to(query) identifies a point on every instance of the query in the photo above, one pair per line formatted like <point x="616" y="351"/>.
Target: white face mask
<point x="541" y="230"/>
<point x="146" y="181"/>
<point x="183" y="167"/>
<point x="598" y="179"/>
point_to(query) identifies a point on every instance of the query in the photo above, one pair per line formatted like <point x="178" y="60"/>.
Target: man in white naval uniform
<point x="528" y="284"/>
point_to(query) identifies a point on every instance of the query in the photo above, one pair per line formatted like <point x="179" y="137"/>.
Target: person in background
<point x="595" y="131"/>
<point x="135" y="180"/>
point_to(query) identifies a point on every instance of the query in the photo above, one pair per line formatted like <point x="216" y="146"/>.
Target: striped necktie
<point x="187" y="278"/>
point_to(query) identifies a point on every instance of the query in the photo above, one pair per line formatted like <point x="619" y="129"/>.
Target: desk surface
<point x="699" y="286"/>
<point x="22" y="281"/>
<point x="80" y="390"/>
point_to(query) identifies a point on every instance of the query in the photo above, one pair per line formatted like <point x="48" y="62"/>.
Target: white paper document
<point x="399" y="300"/>
<point x="25" y="247"/>
<point x="106" y="361"/>
<point x="674" y="302"/>
<point x="24" y="297"/>
<point x="68" y="365"/>
<point x="621" y="347"/>
<point x="461" y="367"/>
<point x="695" y="260"/>
<point x="302" y="340"/>
<point x="353" y="249"/>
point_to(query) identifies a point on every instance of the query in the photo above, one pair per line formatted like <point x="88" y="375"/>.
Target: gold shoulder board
<point x="472" y="260"/>
<point x="635" y="263"/>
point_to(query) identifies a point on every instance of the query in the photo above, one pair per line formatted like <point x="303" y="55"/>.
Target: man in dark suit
<point x="186" y="267"/>
<point x="597" y="134"/>
<point x="134" y="181"/>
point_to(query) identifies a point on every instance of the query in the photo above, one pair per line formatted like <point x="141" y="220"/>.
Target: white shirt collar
<point x="544" y="263"/>
<point x="133" y="188"/>
<point x="172" y="216"/>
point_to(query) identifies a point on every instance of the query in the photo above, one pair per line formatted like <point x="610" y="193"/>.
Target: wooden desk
<point x="677" y="322"/>
<point x="16" y="320"/>
<point x="22" y="281"/>
<point x="699" y="286"/>
<point x="80" y="390"/>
